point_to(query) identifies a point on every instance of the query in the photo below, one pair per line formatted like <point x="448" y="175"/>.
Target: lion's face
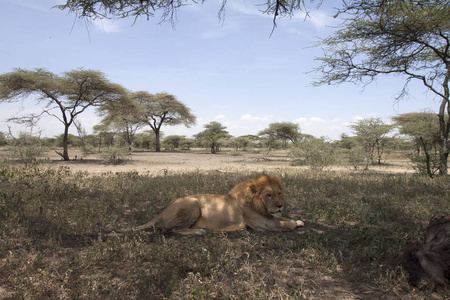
<point x="272" y="198"/>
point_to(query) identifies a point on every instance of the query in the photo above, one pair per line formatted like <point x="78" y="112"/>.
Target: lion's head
<point x="264" y="194"/>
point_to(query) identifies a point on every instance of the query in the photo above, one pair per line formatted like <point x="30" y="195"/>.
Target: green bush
<point x="115" y="155"/>
<point x="318" y="154"/>
<point x="27" y="148"/>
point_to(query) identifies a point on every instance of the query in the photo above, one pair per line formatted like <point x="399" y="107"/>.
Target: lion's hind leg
<point x="180" y="216"/>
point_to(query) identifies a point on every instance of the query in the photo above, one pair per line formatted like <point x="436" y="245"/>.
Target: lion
<point x="256" y="203"/>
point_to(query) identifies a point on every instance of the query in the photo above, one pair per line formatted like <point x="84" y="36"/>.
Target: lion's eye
<point x="269" y="195"/>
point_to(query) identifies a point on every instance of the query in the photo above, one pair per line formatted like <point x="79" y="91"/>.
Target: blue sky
<point x="232" y="72"/>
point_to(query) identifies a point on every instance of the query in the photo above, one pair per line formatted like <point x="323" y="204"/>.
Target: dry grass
<point x="357" y="227"/>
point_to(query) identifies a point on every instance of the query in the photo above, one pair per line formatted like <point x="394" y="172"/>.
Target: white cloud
<point x="300" y="120"/>
<point x="249" y="117"/>
<point x="309" y="121"/>
<point x="317" y="120"/>
<point x="105" y="25"/>
<point x="220" y="117"/>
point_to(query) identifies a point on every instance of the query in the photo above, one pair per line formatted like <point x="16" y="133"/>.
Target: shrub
<point x="115" y="155"/>
<point x="27" y="148"/>
<point x="318" y="154"/>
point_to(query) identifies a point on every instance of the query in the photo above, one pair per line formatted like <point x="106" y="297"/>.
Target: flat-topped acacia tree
<point x="63" y="96"/>
<point x="156" y="110"/>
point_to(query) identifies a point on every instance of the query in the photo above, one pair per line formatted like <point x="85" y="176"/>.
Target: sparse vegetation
<point x="357" y="226"/>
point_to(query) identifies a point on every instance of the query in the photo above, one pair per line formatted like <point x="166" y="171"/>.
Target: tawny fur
<point x="255" y="203"/>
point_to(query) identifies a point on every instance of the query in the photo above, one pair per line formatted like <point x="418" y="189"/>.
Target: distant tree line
<point x="414" y="133"/>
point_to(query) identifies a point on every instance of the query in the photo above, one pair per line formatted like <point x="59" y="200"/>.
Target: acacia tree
<point x="104" y="134"/>
<point x="65" y="96"/>
<point x="423" y="128"/>
<point x="372" y="133"/>
<point x="162" y="108"/>
<point x="395" y="37"/>
<point x="123" y="115"/>
<point x="282" y="131"/>
<point x="174" y="141"/>
<point x="214" y="131"/>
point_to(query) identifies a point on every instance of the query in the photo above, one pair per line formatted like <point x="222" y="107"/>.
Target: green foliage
<point x="357" y="227"/>
<point x="69" y="94"/>
<point x="72" y="140"/>
<point x="240" y="143"/>
<point x="372" y="134"/>
<point x="427" y="164"/>
<point x="423" y="128"/>
<point x="186" y="144"/>
<point x="145" y="140"/>
<point x="356" y="157"/>
<point x="213" y="133"/>
<point x="160" y="109"/>
<point x="318" y="154"/>
<point x="173" y="142"/>
<point x="406" y="38"/>
<point x="115" y="154"/>
<point x="3" y="140"/>
<point x="27" y="148"/>
<point x="283" y="132"/>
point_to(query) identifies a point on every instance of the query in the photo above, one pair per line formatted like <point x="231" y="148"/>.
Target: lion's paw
<point x="300" y="223"/>
<point x="199" y="231"/>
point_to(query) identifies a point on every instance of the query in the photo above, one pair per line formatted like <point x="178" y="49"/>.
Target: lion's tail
<point x="148" y="225"/>
<point x="145" y="226"/>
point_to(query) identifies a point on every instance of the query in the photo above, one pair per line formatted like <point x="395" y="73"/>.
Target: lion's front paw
<point x="300" y="223"/>
<point x="199" y="231"/>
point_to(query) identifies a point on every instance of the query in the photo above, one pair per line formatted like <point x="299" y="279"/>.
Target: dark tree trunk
<point x="427" y="159"/>
<point x="157" y="141"/>
<point x="444" y="127"/>
<point x="65" y="143"/>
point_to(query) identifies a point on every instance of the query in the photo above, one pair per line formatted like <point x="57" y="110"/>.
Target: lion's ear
<point x="253" y="188"/>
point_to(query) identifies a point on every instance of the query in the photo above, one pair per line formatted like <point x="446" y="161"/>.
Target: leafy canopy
<point x="65" y="96"/>
<point x="396" y="37"/>
<point x="408" y="38"/>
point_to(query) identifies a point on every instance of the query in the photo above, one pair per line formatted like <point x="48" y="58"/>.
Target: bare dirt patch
<point x="154" y="163"/>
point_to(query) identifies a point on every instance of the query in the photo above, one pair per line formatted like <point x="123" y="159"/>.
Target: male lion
<point x="256" y="203"/>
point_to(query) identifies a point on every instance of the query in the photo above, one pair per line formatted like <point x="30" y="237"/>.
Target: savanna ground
<point x="357" y="226"/>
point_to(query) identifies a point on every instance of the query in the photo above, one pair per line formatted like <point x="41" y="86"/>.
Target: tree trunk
<point x="443" y="160"/>
<point x="427" y="159"/>
<point x="65" y="143"/>
<point x="444" y="127"/>
<point x="157" y="141"/>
